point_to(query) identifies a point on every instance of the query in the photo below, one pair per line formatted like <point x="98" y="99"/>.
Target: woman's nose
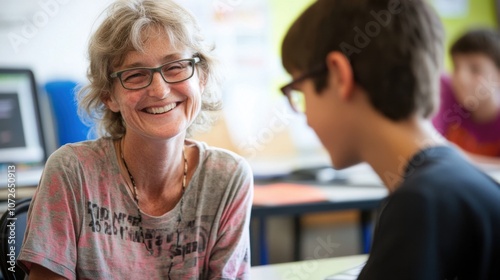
<point x="158" y="88"/>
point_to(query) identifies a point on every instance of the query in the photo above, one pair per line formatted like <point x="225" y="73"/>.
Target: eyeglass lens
<point x="297" y="101"/>
<point x="172" y="72"/>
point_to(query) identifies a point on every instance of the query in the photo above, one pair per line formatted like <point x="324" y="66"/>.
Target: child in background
<point x="469" y="114"/>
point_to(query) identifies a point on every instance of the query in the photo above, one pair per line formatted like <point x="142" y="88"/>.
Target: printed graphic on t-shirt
<point x="178" y="240"/>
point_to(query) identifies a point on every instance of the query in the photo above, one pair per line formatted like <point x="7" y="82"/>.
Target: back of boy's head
<point x="483" y="41"/>
<point x="395" y="49"/>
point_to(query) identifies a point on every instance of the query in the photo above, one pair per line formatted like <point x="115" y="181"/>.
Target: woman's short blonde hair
<point x="122" y="31"/>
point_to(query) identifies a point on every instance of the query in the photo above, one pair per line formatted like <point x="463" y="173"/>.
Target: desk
<point x="25" y="183"/>
<point x="25" y="186"/>
<point x="338" y="197"/>
<point x="24" y="177"/>
<point x="305" y="270"/>
<point x="363" y="192"/>
<point x="492" y="170"/>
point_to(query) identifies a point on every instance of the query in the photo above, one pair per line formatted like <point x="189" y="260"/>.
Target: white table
<point x="492" y="170"/>
<point x="305" y="270"/>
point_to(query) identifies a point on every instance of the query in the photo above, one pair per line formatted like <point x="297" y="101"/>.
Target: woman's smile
<point x="155" y="110"/>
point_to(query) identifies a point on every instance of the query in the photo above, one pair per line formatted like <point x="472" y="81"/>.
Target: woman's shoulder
<point x="98" y="148"/>
<point x="210" y="156"/>
<point x="215" y="153"/>
<point x="220" y="170"/>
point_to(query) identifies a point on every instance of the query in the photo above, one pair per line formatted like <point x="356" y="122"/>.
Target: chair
<point x="13" y="237"/>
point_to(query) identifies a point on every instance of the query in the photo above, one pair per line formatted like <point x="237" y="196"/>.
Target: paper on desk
<point x="493" y="170"/>
<point x="340" y="193"/>
<point x="285" y="193"/>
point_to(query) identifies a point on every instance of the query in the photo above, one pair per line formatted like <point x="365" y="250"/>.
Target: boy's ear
<point x="340" y="73"/>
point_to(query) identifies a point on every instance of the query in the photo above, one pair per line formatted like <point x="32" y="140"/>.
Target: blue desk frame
<point x="260" y="214"/>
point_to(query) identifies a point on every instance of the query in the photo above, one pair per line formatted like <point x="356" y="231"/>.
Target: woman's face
<point x="162" y="110"/>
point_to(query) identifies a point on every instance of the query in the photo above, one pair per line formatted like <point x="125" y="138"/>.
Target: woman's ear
<point x="110" y="102"/>
<point x="202" y="77"/>
<point x="340" y="73"/>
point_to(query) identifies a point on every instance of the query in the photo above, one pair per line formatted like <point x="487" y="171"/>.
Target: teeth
<point x="161" y="110"/>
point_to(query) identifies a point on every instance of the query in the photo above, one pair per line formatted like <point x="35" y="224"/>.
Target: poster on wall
<point x="452" y="8"/>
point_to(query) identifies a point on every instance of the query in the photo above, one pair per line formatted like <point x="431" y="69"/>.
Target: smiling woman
<point x="129" y="30"/>
<point x="142" y="201"/>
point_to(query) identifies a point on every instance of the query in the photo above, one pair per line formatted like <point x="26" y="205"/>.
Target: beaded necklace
<point x="179" y="218"/>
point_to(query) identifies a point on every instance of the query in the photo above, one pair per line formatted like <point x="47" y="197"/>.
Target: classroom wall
<point x="480" y="13"/>
<point x="49" y="36"/>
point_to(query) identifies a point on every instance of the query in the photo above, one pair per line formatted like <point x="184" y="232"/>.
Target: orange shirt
<point x="468" y="142"/>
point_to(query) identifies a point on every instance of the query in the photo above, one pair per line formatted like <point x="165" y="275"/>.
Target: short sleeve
<point x="230" y="258"/>
<point x="54" y="217"/>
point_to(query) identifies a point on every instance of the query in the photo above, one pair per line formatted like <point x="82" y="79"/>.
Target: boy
<point x="369" y="72"/>
<point x="469" y="115"/>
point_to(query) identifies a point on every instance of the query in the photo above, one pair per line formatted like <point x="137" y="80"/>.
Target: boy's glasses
<point x="141" y="77"/>
<point x="296" y="98"/>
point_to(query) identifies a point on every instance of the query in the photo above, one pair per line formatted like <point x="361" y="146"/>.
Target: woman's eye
<point x="134" y="75"/>
<point x="174" y="67"/>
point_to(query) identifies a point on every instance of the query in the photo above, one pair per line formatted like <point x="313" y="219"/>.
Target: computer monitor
<point x="21" y="136"/>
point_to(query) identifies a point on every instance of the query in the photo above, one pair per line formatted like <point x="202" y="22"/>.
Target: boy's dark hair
<point x="484" y="41"/>
<point x="395" y="48"/>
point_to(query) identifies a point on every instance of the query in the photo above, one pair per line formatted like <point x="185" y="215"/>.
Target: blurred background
<point x="50" y="37"/>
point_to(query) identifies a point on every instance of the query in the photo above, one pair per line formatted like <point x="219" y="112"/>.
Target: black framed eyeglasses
<point x="172" y="72"/>
<point x="295" y="97"/>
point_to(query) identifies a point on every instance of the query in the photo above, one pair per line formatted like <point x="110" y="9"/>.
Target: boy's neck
<point x="389" y="146"/>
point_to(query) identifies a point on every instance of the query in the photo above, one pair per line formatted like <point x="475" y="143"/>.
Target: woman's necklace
<point x="179" y="218"/>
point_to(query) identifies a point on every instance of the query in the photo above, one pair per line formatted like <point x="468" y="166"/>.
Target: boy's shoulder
<point x="443" y="174"/>
<point x="444" y="169"/>
<point x="444" y="205"/>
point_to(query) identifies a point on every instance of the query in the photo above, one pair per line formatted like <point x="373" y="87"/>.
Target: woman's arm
<point x="230" y="256"/>
<point x="54" y="217"/>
